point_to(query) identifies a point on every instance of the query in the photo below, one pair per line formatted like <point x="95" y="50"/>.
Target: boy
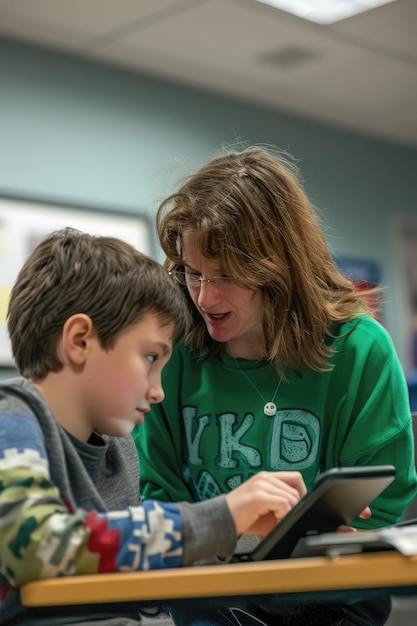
<point x="92" y="322"/>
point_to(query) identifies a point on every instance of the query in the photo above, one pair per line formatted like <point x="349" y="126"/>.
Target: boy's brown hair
<point x="73" y="272"/>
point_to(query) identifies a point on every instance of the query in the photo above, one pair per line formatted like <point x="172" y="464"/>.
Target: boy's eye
<point x="152" y="358"/>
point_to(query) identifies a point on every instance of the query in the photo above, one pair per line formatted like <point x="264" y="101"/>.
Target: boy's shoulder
<point x="19" y="390"/>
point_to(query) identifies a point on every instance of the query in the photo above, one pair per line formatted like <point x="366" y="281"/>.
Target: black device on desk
<point x="336" y="498"/>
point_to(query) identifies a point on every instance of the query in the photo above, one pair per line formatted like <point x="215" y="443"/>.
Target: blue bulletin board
<point x="361" y="272"/>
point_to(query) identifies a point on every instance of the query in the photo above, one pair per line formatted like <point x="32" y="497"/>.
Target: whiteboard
<point x="24" y="223"/>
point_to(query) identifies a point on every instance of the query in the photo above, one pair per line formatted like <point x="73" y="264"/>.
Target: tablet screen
<point x="336" y="498"/>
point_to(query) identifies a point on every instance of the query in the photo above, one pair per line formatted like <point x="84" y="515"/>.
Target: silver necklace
<point x="270" y="408"/>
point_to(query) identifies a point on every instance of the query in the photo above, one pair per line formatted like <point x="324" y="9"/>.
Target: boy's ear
<point x="76" y="338"/>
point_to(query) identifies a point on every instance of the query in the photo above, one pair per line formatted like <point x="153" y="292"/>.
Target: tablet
<point x="336" y="544"/>
<point x="337" y="497"/>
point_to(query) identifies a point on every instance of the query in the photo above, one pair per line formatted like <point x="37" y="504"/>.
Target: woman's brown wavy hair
<point x="249" y="212"/>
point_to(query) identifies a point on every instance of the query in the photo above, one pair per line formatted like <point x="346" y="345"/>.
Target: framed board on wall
<point x="23" y="223"/>
<point x="366" y="275"/>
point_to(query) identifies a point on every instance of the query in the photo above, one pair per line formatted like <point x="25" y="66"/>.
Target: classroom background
<point x="79" y="133"/>
<point x="104" y="104"/>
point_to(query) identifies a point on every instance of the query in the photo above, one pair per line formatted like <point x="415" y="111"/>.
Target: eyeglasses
<point x="190" y="279"/>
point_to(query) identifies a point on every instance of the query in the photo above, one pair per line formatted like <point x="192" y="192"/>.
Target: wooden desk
<point x="369" y="570"/>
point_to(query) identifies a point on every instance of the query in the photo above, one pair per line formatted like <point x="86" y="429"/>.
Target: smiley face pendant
<point x="270" y="409"/>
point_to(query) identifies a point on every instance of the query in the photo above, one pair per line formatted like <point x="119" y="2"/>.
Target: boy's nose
<point x="155" y="394"/>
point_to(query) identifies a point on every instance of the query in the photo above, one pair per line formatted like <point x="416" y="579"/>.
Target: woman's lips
<point x="216" y="319"/>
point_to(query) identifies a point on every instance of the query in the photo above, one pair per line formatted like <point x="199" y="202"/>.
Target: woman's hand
<point x="263" y="500"/>
<point x="349" y="529"/>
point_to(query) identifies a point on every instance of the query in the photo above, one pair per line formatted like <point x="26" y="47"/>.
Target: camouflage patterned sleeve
<point x="41" y="538"/>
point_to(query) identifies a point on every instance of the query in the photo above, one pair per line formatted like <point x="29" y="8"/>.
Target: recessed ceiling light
<point x="325" y="11"/>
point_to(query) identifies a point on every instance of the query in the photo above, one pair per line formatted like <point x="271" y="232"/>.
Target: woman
<point x="284" y="367"/>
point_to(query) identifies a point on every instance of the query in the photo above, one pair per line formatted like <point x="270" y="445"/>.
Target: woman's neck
<point x="254" y="351"/>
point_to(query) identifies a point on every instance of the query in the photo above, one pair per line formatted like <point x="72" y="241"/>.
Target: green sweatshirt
<point x="210" y="433"/>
